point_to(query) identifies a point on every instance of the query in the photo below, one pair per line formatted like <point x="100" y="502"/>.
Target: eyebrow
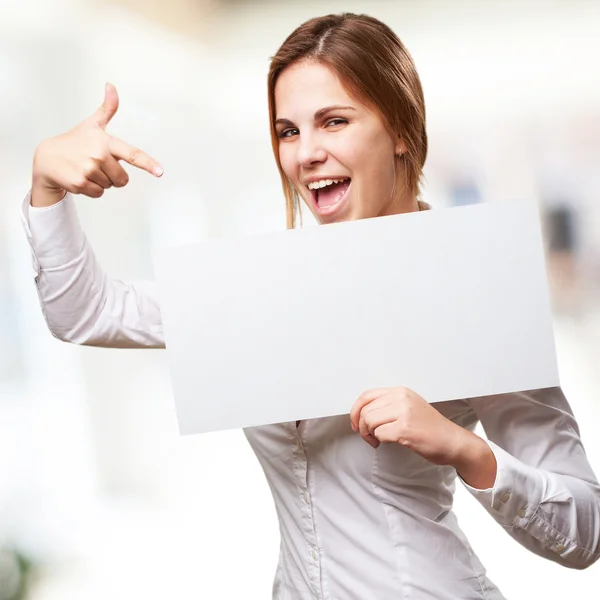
<point x="318" y="115"/>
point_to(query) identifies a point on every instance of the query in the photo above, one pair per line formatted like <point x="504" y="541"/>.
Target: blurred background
<point x="99" y="495"/>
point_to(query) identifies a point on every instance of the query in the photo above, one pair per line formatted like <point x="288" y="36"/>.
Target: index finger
<point x="134" y="156"/>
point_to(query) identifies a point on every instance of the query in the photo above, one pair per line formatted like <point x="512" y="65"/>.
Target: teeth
<point x="315" y="185"/>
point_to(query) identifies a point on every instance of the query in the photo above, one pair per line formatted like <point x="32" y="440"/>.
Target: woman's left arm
<point x="545" y="494"/>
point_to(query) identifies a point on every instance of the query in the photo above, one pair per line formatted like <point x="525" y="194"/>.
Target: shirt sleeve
<point x="80" y="303"/>
<point x="546" y="494"/>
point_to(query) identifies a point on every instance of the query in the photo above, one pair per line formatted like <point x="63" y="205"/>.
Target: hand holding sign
<point x="399" y="415"/>
<point x="85" y="159"/>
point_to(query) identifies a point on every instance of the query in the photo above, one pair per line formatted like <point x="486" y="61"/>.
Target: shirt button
<point x="305" y="498"/>
<point x="505" y="497"/>
<point x="314" y="554"/>
<point x="522" y="513"/>
<point x="559" y="548"/>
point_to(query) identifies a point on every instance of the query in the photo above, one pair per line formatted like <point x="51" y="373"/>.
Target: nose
<point x="310" y="151"/>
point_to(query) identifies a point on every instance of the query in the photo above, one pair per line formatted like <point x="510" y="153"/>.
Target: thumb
<point x="106" y="112"/>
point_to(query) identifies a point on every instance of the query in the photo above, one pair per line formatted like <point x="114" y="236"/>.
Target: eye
<point x="286" y="133"/>
<point x="336" y="121"/>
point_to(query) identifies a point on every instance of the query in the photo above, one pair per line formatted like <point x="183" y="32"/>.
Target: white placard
<point x="452" y="303"/>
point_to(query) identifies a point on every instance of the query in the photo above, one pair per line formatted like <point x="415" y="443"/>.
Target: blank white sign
<point x="452" y="303"/>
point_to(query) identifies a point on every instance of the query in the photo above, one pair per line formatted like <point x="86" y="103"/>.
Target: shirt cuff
<point x="54" y="232"/>
<point x="517" y="491"/>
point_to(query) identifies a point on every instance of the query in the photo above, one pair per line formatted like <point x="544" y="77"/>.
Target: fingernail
<point x="157" y="171"/>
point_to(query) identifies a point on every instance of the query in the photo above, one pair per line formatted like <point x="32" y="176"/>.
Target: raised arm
<point x="80" y="303"/>
<point x="546" y="494"/>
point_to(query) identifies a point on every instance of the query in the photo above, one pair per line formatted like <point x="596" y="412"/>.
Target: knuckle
<point x="87" y="190"/>
<point x="80" y="184"/>
<point x="123" y="180"/>
<point x="89" y="167"/>
<point x="134" y="156"/>
<point x="102" y="153"/>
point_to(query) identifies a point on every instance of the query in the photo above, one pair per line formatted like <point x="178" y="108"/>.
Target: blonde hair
<point x="376" y="68"/>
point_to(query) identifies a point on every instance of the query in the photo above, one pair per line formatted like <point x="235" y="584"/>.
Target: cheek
<point x="378" y="161"/>
<point x="288" y="164"/>
<point x="369" y="155"/>
<point x="352" y="156"/>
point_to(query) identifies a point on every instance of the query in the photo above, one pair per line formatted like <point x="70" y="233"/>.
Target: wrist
<point x="42" y="196"/>
<point x="475" y="462"/>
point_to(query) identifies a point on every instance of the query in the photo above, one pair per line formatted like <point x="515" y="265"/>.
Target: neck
<point x="401" y="203"/>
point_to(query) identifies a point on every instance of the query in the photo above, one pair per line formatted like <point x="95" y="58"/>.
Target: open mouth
<point x="329" y="193"/>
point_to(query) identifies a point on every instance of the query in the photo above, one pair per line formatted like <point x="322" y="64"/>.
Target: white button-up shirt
<point x="357" y="522"/>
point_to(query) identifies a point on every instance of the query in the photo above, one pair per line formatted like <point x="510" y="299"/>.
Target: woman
<point x="357" y="520"/>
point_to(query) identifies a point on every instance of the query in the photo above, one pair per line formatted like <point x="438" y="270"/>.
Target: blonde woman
<point x="364" y="502"/>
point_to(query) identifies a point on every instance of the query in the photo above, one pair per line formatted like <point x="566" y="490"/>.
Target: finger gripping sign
<point x="452" y="303"/>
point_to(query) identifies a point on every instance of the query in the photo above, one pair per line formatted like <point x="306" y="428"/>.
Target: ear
<point x="400" y="147"/>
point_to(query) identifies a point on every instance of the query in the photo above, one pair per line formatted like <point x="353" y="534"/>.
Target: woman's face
<point x="327" y="136"/>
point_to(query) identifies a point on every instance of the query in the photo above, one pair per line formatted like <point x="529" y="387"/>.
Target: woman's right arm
<point x="79" y="302"/>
